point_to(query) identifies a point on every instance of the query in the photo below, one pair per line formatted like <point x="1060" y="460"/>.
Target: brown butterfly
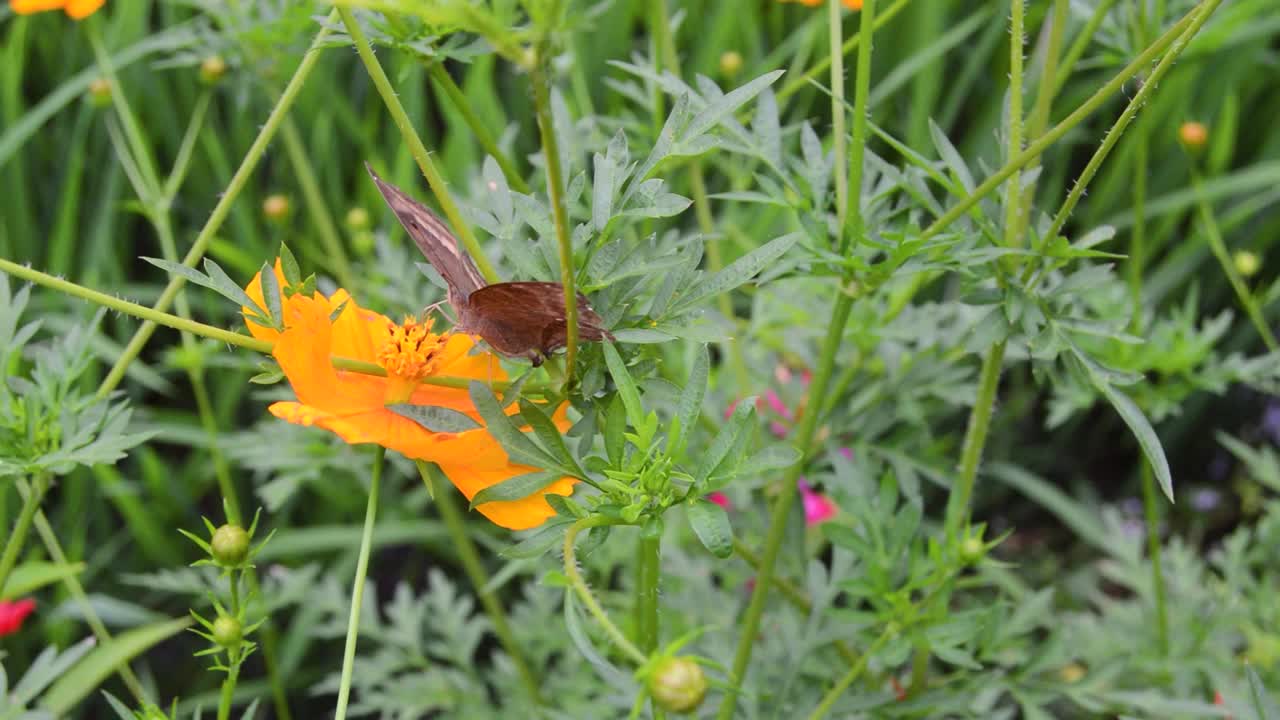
<point x="518" y="319"/>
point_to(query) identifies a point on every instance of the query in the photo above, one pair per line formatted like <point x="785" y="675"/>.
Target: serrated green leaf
<point x="694" y="391"/>
<point x="104" y="660"/>
<point x="500" y="426"/>
<point x="722" y="107"/>
<point x="434" y="418"/>
<point x="550" y="437"/>
<point x="615" y="431"/>
<point x="626" y="386"/>
<point x="516" y="488"/>
<point x="1141" y="428"/>
<point x="271" y="295"/>
<point x="774" y="457"/>
<point x="289" y="266"/>
<point x="739" y="272"/>
<point x="231" y="290"/>
<point x="725" y="439"/>
<point x="711" y="524"/>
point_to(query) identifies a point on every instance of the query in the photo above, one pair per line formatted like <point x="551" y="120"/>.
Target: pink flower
<point x="13" y="613"/>
<point x="720" y="499"/>
<point x="818" y="508"/>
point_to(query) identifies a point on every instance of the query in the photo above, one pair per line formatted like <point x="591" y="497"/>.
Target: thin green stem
<point x="584" y="593"/>
<point x="456" y="525"/>
<point x="1219" y="248"/>
<point x="1035" y="149"/>
<point x="1184" y="33"/>
<point x="128" y="120"/>
<point x="443" y="80"/>
<point x="821" y="65"/>
<point x="1138" y="238"/>
<point x="226" y="698"/>
<point x="822" y="376"/>
<point x="416" y="148"/>
<point x="560" y="214"/>
<point x="852" y="230"/>
<point x="1013" y="190"/>
<point x="156" y="317"/>
<point x="317" y="208"/>
<point x="1151" y="508"/>
<point x="975" y="438"/>
<point x="849" y="677"/>
<point x="1081" y="43"/>
<point x="18" y="538"/>
<point x="221" y="209"/>
<point x="357" y="585"/>
<point x="835" y="11"/>
<point x="648" y="576"/>
<point x="793" y="594"/>
<point x="54" y="548"/>
<point x="221" y="469"/>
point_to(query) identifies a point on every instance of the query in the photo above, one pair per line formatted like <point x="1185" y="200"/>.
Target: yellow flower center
<point x="411" y="351"/>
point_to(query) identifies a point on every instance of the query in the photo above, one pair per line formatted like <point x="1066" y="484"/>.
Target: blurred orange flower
<point x="77" y="9"/>
<point x="353" y="405"/>
<point x="851" y="4"/>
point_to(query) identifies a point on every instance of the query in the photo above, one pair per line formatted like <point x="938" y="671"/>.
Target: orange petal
<point x="459" y="361"/>
<point x="303" y="351"/>
<point x="357" y="333"/>
<point x="26" y="7"/>
<point x="81" y="9"/>
<point x="378" y="426"/>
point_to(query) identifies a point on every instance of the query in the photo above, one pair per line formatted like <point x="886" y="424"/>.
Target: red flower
<point x="13" y="613"/>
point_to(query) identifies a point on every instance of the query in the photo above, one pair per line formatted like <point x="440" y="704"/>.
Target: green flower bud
<point x="357" y="219"/>
<point x="972" y="550"/>
<point x="100" y="92"/>
<point x="227" y="631"/>
<point x="678" y="685"/>
<point x="731" y="63"/>
<point x="230" y="545"/>
<point x="1247" y="263"/>
<point x="212" y="69"/>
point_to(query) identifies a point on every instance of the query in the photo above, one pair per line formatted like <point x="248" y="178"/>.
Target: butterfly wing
<point x="435" y="241"/>
<point x="524" y="318"/>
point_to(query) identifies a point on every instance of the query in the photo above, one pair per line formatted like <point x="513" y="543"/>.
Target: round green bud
<point x="276" y="207"/>
<point x="212" y="69"/>
<point x="363" y="243"/>
<point x="972" y="550"/>
<point x="678" y="685"/>
<point x="230" y="545"/>
<point x="731" y="63"/>
<point x="100" y="92"/>
<point x="1247" y="263"/>
<point x="358" y="219"/>
<point x="227" y="631"/>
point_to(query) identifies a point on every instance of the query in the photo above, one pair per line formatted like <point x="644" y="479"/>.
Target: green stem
<point x="822" y="376"/>
<point x="155" y="317"/>
<point x="132" y="128"/>
<point x="584" y="593"/>
<point x="54" y="548"/>
<point x="316" y="205"/>
<point x="1013" y="190"/>
<point x="221" y="469"/>
<point x="835" y="11"/>
<point x="416" y="148"/>
<point x="1151" y="507"/>
<point x="456" y="525"/>
<point x="227" y="698"/>
<point x="445" y="82"/>
<point x="1037" y="148"/>
<point x="1138" y="241"/>
<point x="357" y="585"/>
<point x="648" y="577"/>
<point x="793" y="594"/>
<point x="220" y="210"/>
<point x="1219" y="248"/>
<point x="975" y="438"/>
<point x="17" y="538"/>
<point x="1081" y="43"/>
<point x="821" y="66"/>
<point x="560" y="214"/>
<point x="1182" y="33"/>
<point x="835" y="692"/>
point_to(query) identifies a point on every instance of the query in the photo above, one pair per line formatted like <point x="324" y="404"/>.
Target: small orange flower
<point x="354" y="405"/>
<point x="76" y="9"/>
<point x="851" y="4"/>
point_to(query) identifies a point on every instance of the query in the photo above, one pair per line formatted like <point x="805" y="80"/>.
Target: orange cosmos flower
<point x="76" y="9"/>
<point x="354" y="405"/>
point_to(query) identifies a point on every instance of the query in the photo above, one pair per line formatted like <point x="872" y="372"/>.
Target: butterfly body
<point x="518" y="319"/>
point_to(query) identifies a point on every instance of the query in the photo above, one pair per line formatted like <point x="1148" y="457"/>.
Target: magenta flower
<point x="12" y="614"/>
<point x="720" y="499"/>
<point x="818" y="508"/>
